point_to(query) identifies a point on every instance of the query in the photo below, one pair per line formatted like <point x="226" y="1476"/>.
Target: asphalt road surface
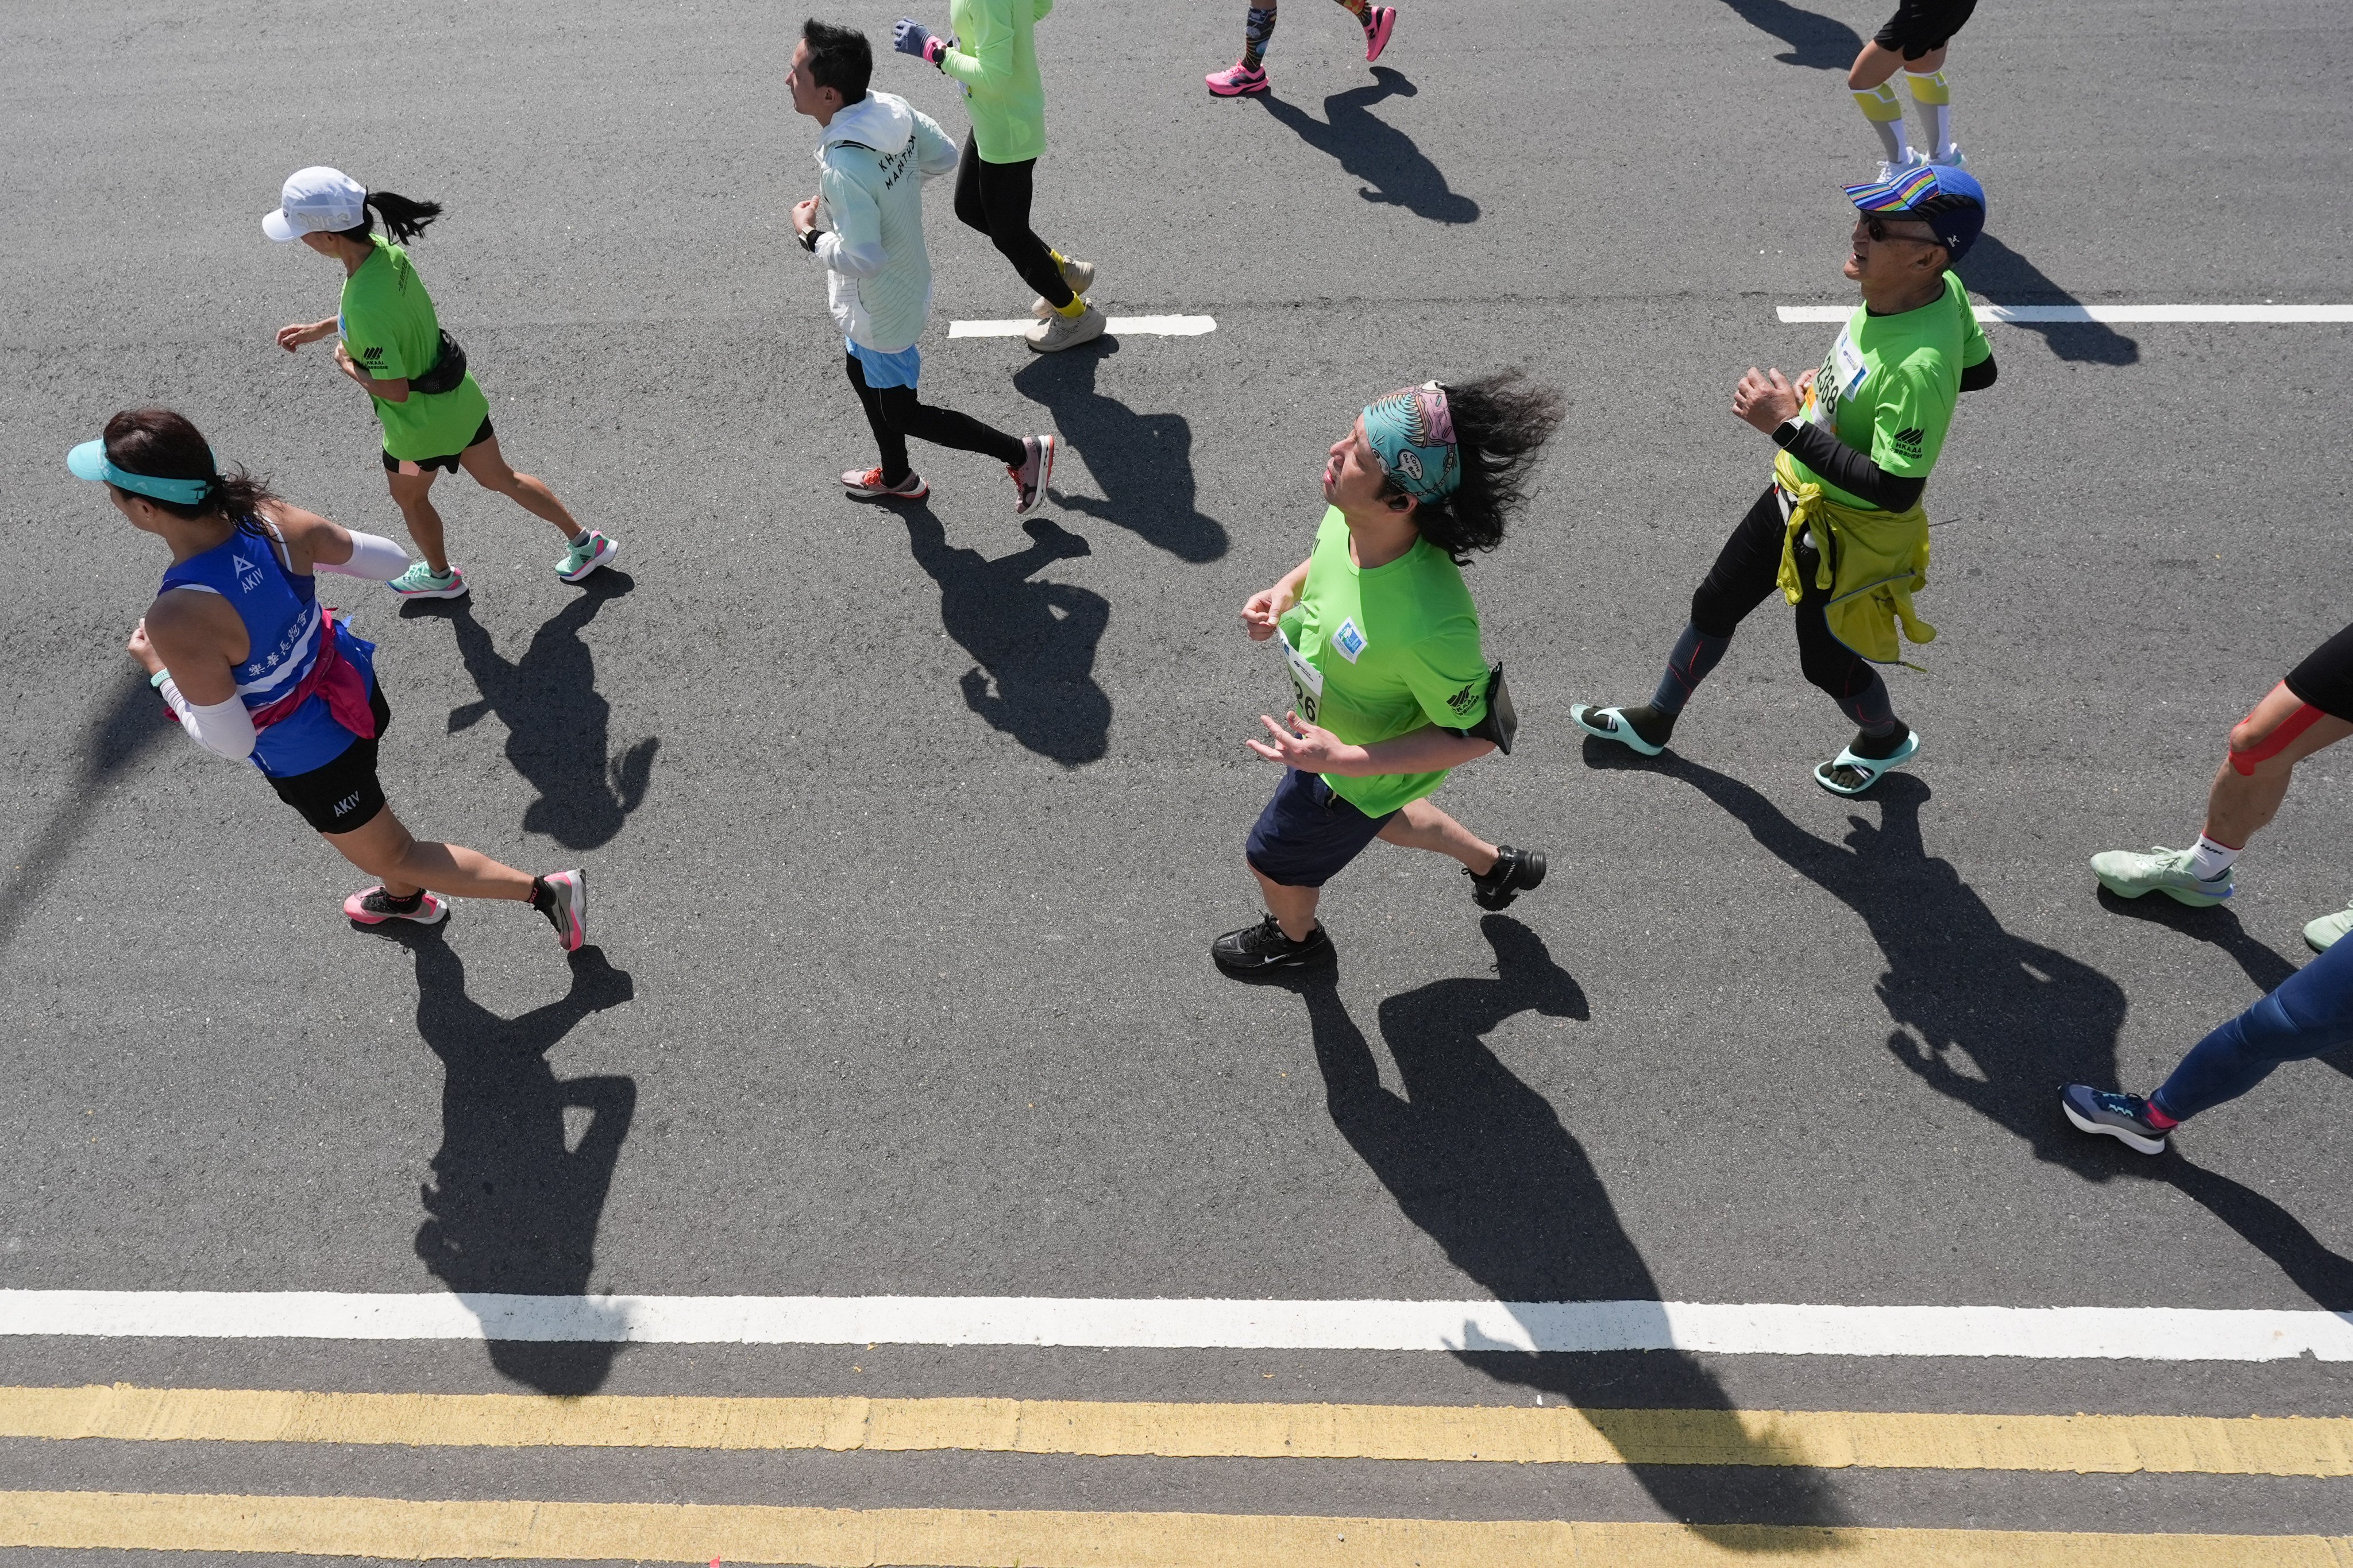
<point x="907" y="828"/>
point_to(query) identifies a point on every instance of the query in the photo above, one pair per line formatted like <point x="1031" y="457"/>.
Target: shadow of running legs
<point x="1482" y="1163"/>
<point x="514" y="1204"/>
<point x="1816" y="41"/>
<point x="1142" y="461"/>
<point x="128" y="728"/>
<point x="1393" y="168"/>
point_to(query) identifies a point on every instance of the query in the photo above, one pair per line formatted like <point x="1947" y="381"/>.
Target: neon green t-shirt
<point x="390" y="330"/>
<point x="1889" y="382"/>
<point x="996" y="58"/>
<point x="1375" y="655"/>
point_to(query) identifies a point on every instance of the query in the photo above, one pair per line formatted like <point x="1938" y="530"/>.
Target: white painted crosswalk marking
<point x="2146" y="1333"/>
<point x="1118" y="326"/>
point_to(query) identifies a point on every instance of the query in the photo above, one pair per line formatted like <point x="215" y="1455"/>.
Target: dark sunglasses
<point x="1876" y="228"/>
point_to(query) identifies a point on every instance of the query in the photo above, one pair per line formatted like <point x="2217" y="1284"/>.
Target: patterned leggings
<point x="1258" y="27"/>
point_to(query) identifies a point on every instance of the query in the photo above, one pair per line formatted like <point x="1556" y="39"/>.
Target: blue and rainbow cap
<point x="1412" y="433"/>
<point x="89" y="462"/>
<point x="1946" y="199"/>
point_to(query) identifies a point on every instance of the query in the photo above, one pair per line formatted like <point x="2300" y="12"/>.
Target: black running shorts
<point x="342" y="796"/>
<point x="449" y="464"/>
<point x="2325" y="678"/>
<point x="1922" y="27"/>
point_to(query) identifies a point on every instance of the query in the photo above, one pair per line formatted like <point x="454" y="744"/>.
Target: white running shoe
<point x="1059" y="332"/>
<point x="1079" y="275"/>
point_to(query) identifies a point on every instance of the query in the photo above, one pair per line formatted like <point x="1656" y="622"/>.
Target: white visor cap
<point x="316" y="200"/>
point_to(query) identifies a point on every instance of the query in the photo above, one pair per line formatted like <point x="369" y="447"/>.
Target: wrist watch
<point x="808" y="238"/>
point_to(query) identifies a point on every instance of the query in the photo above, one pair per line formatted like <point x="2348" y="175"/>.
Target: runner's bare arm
<point x="395" y="390"/>
<point x="195" y="635"/>
<point x="1267" y="605"/>
<point x="1315" y="750"/>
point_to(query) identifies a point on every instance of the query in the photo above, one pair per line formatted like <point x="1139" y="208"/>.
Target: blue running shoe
<point x="2123" y="1116"/>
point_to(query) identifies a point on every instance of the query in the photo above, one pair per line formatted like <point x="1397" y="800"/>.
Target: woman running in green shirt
<point x="995" y="56"/>
<point x="435" y="418"/>
<point x="1382" y="643"/>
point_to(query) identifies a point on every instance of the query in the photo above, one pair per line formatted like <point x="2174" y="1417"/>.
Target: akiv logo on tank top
<point x="248" y="575"/>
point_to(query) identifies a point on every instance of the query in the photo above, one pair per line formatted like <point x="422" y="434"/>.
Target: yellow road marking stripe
<point x="972" y="1538"/>
<point x="1828" y="1439"/>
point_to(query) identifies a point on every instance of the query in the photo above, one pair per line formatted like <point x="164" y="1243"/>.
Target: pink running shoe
<point x="373" y="906"/>
<point x="1037" y="468"/>
<point x="1376" y="33"/>
<point x="1239" y="79"/>
<point x="562" y="898"/>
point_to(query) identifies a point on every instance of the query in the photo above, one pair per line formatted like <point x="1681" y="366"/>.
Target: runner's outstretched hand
<point x="1303" y="746"/>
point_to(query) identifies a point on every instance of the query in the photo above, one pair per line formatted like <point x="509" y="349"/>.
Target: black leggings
<point x="995" y="199"/>
<point x="895" y="414"/>
<point x="1747" y="569"/>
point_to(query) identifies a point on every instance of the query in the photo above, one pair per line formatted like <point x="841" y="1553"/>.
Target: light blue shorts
<point x="900" y="369"/>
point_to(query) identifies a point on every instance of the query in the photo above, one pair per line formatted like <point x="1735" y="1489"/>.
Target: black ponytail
<point x="404" y="220"/>
<point x="1501" y="423"/>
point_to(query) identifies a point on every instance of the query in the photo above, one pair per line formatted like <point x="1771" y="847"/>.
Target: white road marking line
<point x="1165" y="326"/>
<point x="2143" y="1333"/>
<point x="2040" y="315"/>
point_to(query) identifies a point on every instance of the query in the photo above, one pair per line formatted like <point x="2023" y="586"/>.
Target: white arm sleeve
<point x="224" y="728"/>
<point x="374" y="557"/>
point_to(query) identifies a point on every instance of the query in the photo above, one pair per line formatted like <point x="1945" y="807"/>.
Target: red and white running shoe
<point x="373" y="906"/>
<point x="1237" y="80"/>
<point x="869" y="486"/>
<point x="562" y="898"/>
<point x="1037" y="468"/>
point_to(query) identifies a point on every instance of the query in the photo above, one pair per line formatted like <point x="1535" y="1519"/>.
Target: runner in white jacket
<point x="866" y="224"/>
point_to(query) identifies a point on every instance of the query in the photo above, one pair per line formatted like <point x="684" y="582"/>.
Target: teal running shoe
<point x="2128" y="874"/>
<point x="592" y="551"/>
<point x="421" y="582"/>
<point x="2322" y="934"/>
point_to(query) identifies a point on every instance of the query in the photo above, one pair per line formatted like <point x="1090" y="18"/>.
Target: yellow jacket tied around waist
<point x="1882" y="560"/>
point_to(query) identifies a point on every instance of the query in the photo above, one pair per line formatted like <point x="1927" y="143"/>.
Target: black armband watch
<point x="808" y="239"/>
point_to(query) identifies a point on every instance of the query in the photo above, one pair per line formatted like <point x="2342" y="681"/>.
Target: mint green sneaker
<point x="593" y="550"/>
<point x="2161" y="870"/>
<point x="421" y="582"/>
<point x="2323" y="932"/>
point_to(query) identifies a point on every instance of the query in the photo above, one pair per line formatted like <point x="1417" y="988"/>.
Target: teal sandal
<point x="1609" y="724"/>
<point x="1872" y="768"/>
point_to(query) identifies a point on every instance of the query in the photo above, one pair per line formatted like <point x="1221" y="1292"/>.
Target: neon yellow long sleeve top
<point x="996" y="59"/>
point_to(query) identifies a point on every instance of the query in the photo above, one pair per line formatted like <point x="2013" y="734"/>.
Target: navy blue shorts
<point x="1307" y="833"/>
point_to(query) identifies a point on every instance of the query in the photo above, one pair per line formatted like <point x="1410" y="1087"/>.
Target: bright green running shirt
<point x="390" y="330"/>
<point x="1888" y="386"/>
<point x="1375" y="655"/>
<point x="996" y="58"/>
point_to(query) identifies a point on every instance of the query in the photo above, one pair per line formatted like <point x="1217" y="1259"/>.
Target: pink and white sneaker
<point x="373" y="906"/>
<point x="1238" y="78"/>
<point x="1377" y="31"/>
<point x="1037" y="468"/>
<point x="562" y="898"/>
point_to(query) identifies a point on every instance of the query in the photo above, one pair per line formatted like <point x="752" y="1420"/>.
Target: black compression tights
<point x="895" y="414"/>
<point x="1746" y="570"/>
<point x="995" y="199"/>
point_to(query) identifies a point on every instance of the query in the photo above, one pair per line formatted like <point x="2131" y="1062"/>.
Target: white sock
<point x="2210" y="859"/>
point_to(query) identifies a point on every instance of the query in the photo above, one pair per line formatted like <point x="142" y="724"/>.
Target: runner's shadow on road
<point x="1819" y="42"/>
<point x="1992" y="1020"/>
<point x="127" y="728"/>
<point x="1393" y="168"/>
<point x="2005" y="278"/>
<point x="517" y="1195"/>
<point x="556" y="719"/>
<point x="1142" y="461"/>
<point x="1032" y="644"/>
<point x="1483" y="1164"/>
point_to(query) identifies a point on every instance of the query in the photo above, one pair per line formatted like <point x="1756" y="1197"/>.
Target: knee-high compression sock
<point x="1258" y="31"/>
<point x="1885" y="111"/>
<point x="1934" y="97"/>
<point x="1695" y="654"/>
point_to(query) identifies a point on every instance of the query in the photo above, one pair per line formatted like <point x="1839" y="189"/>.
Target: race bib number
<point x="1306" y="680"/>
<point x="1840" y="377"/>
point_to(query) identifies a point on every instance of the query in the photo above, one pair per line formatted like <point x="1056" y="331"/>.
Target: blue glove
<point x="910" y="37"/>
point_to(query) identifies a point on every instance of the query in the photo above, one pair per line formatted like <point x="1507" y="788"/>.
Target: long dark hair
<point x="402" y="219"/>
<point x="1501" y="423"/>
<point x="161" y="443"/>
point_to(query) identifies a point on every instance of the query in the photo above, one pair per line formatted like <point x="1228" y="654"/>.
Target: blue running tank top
<point x="281" y="617"/>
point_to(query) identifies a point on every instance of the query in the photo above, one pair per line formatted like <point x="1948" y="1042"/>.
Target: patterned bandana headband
<point x="1412" y="433"/>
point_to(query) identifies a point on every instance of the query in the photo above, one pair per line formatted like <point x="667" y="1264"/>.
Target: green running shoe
<point x="592" y="551"/>
<point x="2322" y="934"/>
<point x="2128" y="874"/>
<point x="421" y="582"/>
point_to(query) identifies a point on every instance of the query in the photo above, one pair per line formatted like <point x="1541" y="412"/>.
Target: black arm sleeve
<point x="1981" y="375"/>
<point x="1851" y="470"/>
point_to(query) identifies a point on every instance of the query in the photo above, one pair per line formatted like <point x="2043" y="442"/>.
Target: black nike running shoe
<point x="1516" y="871"/>
<point x="1262" y="949"/>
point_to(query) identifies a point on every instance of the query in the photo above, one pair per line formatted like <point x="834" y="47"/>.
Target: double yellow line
<point x="951" y="1538"/>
